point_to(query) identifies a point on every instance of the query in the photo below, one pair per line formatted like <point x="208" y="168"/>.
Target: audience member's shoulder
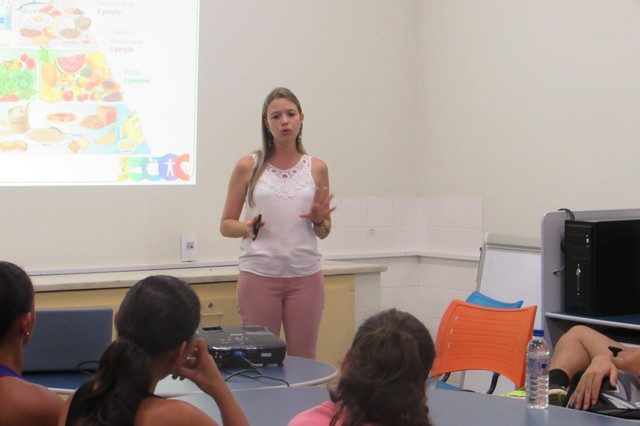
<point x="318" y="415"/>
<point x="27" y="403"/>
<point x="165" y="412"/>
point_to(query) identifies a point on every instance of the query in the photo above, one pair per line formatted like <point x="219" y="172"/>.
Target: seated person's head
<point x="157" y="314"/>
<point x="385" y="372"/>
<point x="16" y="303"/>
<point x="155" y="324"/>
<point x="21" y="402"/>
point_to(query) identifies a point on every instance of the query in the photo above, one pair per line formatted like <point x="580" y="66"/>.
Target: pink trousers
<point x="296" y="303"/>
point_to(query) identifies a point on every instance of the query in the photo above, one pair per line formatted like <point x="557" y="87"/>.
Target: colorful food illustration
<point x="49" y="135"/>
<point x="76" y="77"/>
<point x="18" y="79"/>
<point x="49" y="26"/>
<point x="78" y="144"/>
<point x="61" y="117"/>
<point x="16" y="145"/>
<point x="103" y="116"/>
<point x="57" y="91"/>
<point x="131" y="128"/>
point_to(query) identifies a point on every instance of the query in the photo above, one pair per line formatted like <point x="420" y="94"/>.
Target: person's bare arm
<point x="28" y="404"/>
<point x="230" y="224"/>
<point x="320" y="210"/>
<point x="62" y="419"/>
<point x="202" y="370"/>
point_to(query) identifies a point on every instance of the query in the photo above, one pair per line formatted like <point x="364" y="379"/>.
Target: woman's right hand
<point x="254" y="226"/>
<point x="248" y="228"/>
<point x="201" y="369"/>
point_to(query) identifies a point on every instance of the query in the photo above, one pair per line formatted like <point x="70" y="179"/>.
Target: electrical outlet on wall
<point x="189" y="248"/>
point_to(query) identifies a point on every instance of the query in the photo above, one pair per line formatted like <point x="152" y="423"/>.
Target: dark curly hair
<point x="385" y="373"/>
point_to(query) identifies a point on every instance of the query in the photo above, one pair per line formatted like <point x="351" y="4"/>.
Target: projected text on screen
<point x="98" y="92"/>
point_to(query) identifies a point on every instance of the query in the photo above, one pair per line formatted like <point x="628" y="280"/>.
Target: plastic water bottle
<point x="537" y="380"/>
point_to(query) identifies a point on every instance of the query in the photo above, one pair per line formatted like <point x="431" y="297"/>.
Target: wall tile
<point x="405" y="211"/>
<point x="434" y="239"/>
<point x="379" y="240"/>
<point x="404" y="299"/>
<point x="474" y="215"/>
<point x="352" y="212"/>
<point x="336" y="216"/>
<point x="401" y="272"/>
<point x="432" y="211"/>
<point x="449" y="274"/>
<point x="405" y="238"/>
<point x="454" y="211"/>
<point x="432" y="325"/>
<point x="380" y="212"/>
<point x="473" y="241"/>
<point x="454" y="240"/>
<point x="345" y="242"/>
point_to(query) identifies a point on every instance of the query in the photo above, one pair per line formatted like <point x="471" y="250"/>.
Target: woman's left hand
<point x="320" y="207"/>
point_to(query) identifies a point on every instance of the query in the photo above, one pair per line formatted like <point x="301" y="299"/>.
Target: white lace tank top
<point x="286" y="245"/>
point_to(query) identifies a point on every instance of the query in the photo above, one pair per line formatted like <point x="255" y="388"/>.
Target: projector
<point x="234" y="346"/>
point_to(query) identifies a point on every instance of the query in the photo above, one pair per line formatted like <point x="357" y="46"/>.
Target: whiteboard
<point x="510" y="269"/>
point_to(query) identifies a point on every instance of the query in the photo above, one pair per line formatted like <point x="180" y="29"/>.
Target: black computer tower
<point x="602" y="267"/>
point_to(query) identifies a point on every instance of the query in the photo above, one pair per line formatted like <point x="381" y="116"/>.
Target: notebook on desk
<point x="68" y="339"/>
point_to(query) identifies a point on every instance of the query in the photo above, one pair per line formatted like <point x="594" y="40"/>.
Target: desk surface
<point x="277" y="406"/>
<point x="295" y="371"/>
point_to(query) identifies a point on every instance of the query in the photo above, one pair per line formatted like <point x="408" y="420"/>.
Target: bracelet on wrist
<point x="321" y="225"/>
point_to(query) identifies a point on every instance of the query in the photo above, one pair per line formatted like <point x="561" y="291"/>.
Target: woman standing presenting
<point x="285" y="195"/>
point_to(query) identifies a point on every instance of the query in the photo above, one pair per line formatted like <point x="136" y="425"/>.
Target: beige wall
<point x="353" y="65"/>
<point x="532" y="105"/>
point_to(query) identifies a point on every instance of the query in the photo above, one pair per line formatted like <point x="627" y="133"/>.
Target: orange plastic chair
<point x="473" y="337"/>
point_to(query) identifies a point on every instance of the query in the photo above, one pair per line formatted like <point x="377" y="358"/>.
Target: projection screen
<point x="98" y="92"/>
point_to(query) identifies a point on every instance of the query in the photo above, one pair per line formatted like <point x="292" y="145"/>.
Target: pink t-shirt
<point x="320" y="415"/>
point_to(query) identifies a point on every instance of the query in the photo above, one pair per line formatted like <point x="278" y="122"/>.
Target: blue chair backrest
<point x="478" y="298"/>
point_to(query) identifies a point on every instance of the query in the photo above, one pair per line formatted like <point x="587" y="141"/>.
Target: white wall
<point x="527" y="106"/>
<point x="430" y="246"/>
<point x="532" y="105"/>
<point x="352" y="63"/>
